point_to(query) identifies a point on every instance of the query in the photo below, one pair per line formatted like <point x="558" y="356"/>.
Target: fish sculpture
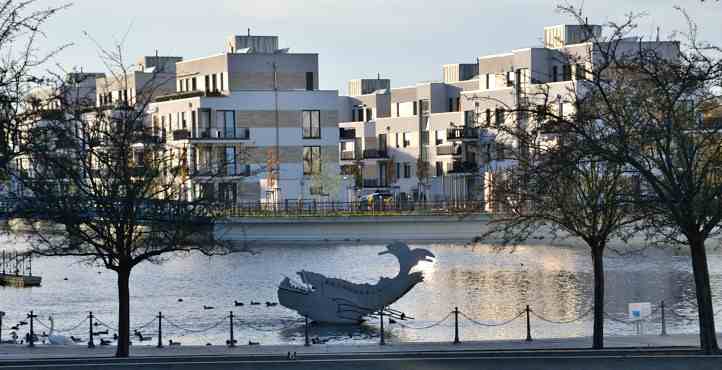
<point x="337" y="301"/>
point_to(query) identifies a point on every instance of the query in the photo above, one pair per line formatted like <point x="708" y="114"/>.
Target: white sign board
<point x="640" y="311"/>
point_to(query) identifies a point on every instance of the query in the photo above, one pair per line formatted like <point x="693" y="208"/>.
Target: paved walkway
<point x="22" y="352"/>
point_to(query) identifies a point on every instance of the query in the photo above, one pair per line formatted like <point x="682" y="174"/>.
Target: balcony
<point x="348" y="156"/>
<point x="181" y="135"/>
<point x="374" y="183"/>
<point x="375" y="154"/>
<point x="241" y="133"/>
<point x="347" y="133"/>
<point x="462" y="133"/>
<point x="451" y="149"/>
<point x="464" y="167"/>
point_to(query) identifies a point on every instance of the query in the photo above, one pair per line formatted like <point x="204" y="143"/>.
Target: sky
<point x="407" y="41"/>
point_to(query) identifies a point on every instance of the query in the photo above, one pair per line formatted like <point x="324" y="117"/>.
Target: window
<point x="580" y="73"/>
<point x="407" y="139"/>
<point x="311" y="124"/>
<point x="499" y="151"/>
<point x="458" y="104"/>
<point x="227" y="119"/>
<point x="204" y="191"/>
<point x="194" y="84"/>
<point x="397" y="139"/>
<point x="369" y="114"/>
<point x="439" y="168"/>
<point x="183" y="121"/>
<point x="223" y="88"/>
<point x="488" y="81"/>
<point x="310" y="83"/>
<point x="439" y="137"/>
<point x="488" y="116"/>
<point x="194" y="123"/>
<point x="500" y="112"/>
<point x="416" y="108"/>
<point x="208" y="83"/>
<point x="555" y="74"/>
<point x="205" y="123"/>
<point x="215" y="83"/>
<point x="469" y="116"/>
<point x="407" y="170"/>
<point x="451" y="104"/>
<point x="231" y="161"/>
<point x="398" y="109"/>
<point x="228" y="192"/>
<point x="509" y="79"/>
<point x="311" y="160"/>
<point x="398" y="170"/>
<point x="567" y="72"/>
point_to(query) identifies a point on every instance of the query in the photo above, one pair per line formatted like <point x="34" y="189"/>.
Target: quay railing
<point x="90" y="329"/>
<point x="376" y="207"/>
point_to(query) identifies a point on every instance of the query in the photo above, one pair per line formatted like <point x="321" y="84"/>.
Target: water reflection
<point x="486" y="284"/>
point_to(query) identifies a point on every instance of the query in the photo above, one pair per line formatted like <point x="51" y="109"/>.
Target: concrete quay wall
<point x="365" y="229"/>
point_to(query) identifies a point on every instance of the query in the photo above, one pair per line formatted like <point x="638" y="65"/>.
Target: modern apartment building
<point x="152" y="76"/>
<point x="427" y="141"/>
<point x="255" y="114"/>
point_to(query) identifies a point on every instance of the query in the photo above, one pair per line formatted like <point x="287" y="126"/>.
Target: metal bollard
<point x="231" y="342"/>
<point x="305" y="332"/>
<point x="456" y="325"/>
<point x="31" y="338"/>
<point x="1" y="326"/>
<point x="528" y="324"/>
<point x="381" y="316"/>
<point x="664" y="322"/>
<point x="160" y="330"/>
<point x="91" y="344"/>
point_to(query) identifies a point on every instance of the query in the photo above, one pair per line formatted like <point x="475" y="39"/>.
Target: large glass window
<point x="311" y="124"/>
<point x="227" y="119"/>
<point x="230" y="161"/>
<point x="311" y="160"/>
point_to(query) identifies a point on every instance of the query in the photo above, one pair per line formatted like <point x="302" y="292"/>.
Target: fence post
<point x="160" y="330"/>
<point x="664" y="322"/>
<point x="31" y="338"/>
<point x="231" y="342"/>
<point x="456" y="325"/>
<point x="381" y="316"/>
<point x="305" y="332"/>
<point x="528" y="324"/>
<point x="91" y="343"/>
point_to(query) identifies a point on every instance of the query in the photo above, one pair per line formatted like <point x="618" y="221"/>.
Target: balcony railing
<point x="348" y="156"/>
<point x="216" y="134"/>
<point x="181" y="134"/>
<point x="462" y="133"/>
<point x="464" y="167"/>
<point x="374" y="183"/>
<point x="448" y="150"/>
<point x="347" y="134"/>
<point x="375" y="154"/>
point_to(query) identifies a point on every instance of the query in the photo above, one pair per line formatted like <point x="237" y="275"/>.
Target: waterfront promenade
<point x="638" y="352"/>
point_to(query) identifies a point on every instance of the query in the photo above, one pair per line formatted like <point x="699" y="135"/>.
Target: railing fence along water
<point x="373" y="207"/>
<point x="98" y="328"/>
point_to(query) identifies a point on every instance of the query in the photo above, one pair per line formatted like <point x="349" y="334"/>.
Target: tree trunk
<point x="707" y="333"/>
<point x="123" y="314"/>
<point x="598" y="265"/>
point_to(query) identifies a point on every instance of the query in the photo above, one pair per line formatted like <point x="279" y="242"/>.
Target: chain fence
<point x="228" y="324"/>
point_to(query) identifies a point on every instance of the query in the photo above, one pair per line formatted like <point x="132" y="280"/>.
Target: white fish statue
<point x="331" y="300"/>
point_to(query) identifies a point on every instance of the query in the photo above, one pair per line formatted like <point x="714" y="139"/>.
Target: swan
<point x="56" y="339"/>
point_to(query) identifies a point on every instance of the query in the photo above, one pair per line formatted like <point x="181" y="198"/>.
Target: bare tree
<point x="642" y="103"/>
<point x="557" y="190"/>
<point x="112" y="189"/>
<point x="21" y="25"/>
